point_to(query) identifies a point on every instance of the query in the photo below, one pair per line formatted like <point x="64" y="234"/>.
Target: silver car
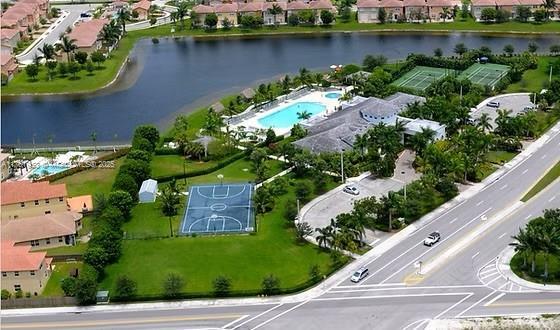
<point x="351" y="189"/>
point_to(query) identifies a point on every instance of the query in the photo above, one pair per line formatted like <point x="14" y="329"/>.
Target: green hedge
<point x="205" y="171"/>
<point x="167" y="151"/>
<point x="57" y="176"/>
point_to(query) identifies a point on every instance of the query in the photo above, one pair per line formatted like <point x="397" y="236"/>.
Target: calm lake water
<point x="180" y="75"/>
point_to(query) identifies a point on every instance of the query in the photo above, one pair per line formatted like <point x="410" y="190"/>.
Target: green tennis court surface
<point x="421" y="77"/>
<point x="485" y="74"/>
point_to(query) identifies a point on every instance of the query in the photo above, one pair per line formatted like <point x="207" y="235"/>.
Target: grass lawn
<point x="533" y="80"/>
<point x="61" y="271"/>
<point x="525" y="273"/>
<point x="547" y="179"/>
<point x="545" y="120"/>
<point x="79" y="248"/>
<point x="173" y="164"/>
<point x="245" y="259"/>
<point x="500" y="157"/>
<point x="91" y="181"/>
<point x="485" y="170"/>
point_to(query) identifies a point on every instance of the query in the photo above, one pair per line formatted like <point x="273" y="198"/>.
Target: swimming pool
<point x="333" y="95"/>
<point x="44" y="170"/>
<point x="288" y="116"/>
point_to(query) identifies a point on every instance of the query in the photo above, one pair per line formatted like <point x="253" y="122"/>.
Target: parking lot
<point x="516" y="103"/>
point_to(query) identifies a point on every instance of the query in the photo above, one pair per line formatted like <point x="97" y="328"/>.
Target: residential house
<point x="477" y="6"/>
<point x="295" y="7"/>
<point x="10" y="37"/>
<point x="200" y="12"/>
<point x="226" y="12"/>
<point x="251" y="8"/>
<point x="44" y="231"/>
<point x="394" y="10"/>
<point x="16" y="21"/>
<point x="42" y="4"/>
<point x="6" y="171"/>
<point x="87" y="35"/>
<point x="22" y="199"/>
<point x="143" y="9"/>
<point x="534" y="5"/>
<point x="368" y="11"/>
<point x="9" y="64"/>
<point x="318" y="6"/>
<point x="440" y="10"/>
<point x="270" y="19"/>
<point x="23" y="270"/>
<point x="415" y="10"/>
<point x="508" y="5"/>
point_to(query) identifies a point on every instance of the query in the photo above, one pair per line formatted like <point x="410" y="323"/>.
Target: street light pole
<point x="342" y="165"/>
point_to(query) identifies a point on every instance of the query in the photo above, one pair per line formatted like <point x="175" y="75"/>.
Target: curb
<point x="502" y="264"/>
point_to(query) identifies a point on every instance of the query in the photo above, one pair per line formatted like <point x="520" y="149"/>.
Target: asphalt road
<point x="393" y="296"/>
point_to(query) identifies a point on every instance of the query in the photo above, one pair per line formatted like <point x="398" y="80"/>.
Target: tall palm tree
<point x="420" y="140"/>
<point x="325" y="236"/>
<point x="527" y="244"/>
<point x="275" y="10"/>
<point x="111" y="33"/>
<point x="48" y="52"/>
<point x="483" y="122"/>
<point x="181" y="12"/>
<point x="549" y="5"/>
<point x="67" y="45"/>
<point x="123" y="15"/>
<point x="360" y="143"/>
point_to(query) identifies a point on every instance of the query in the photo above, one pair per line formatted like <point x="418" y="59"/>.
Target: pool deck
<point x="252" y="123"/>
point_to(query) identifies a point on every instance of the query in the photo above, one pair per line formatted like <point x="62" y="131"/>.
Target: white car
<point x="493" y="104"/>
<point x="432" y="239"/>
<point x="351" y="189"/>
<point x="359" y="275"/>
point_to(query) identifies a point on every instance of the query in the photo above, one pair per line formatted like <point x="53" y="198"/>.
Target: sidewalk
<point x="503" y="267"/>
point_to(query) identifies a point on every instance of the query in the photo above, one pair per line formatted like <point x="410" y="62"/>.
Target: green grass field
<point x="547" y="179"/>
<point x="485" y="74"/>
<point x="61" y="271"/>
<point x="500" y="157"/>
<point x="534" y="80"/>
<point x="88" y="182"/>
<point x="525" y="273"/>
<point x="173" y="164"/>
<point x="245" y="259"/>
<point x="421" y="77"/>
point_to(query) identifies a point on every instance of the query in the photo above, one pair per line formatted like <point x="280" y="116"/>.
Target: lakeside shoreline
<point x="138" y="36"/>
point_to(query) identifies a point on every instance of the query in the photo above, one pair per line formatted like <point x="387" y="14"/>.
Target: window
<point x="22" y="204"/>
<point x="16" y="273"/>
<point x="59" y="238"/>
<point x="48" y="241"/>
<point x="4" y="274"/>
<point x="17" y="287"/>
<point x="47" y="201"/>
<point x="16" y="216"/>
<point x="61" y="199"/>
<point x="32" y="273"/>
<point x="48" y="212"/>
<point x="35" y="243"/>
<point x="36" y="202"/>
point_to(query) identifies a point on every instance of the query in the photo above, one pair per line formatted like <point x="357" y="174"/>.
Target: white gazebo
<point x="148" y="191"/>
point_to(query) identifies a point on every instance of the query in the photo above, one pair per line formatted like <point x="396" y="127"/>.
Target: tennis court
<point x="219" y="208"/>
<point x="421" y="77"/>
<point x="485" y="74"/>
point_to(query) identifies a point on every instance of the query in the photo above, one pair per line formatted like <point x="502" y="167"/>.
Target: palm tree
<point x="421" y="140"/>
<point x="169" y="201"/>
<point x="304" y="115"/>
<point x="360" y="143"/>
<point x="48" y="52"/>
<point x="181" y="12"/>
<point x="111" y="33"/>
<point x="527" y="244"/>
<point x="93" y="137"/>
<point x="483" y="122"/>
<point x="123" y="15"/>
<point x="325" y="236"/>
<point x="67" y="45"/>
<point x="275" y="10"/>
<point x="445" y="13"/>
<point x="194" y="149"/>
<point x="549" y="5"/>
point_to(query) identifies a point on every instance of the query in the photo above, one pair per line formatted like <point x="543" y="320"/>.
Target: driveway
<point x="514" y="102"/>
<point x="69" y="15"/>
<point x="319" y="212"/>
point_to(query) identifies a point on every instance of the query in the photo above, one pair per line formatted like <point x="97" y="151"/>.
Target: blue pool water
<point x="50" y="169"/>
<point x="288" y="116"/>
<point x="333" y="95"/>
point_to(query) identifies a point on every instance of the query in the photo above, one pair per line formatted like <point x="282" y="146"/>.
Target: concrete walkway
<point x="504" y="268"/>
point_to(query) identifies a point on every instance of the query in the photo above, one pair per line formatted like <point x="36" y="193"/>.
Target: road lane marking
<point x="442" y="241"/>
<point x="504" y="187"/>
<point x="502" y="235"/>
<point x="479" y="203"/>
<point x="475" y="255"/>
<point x="476" y="303"/>
<point x="494" y="280"/>
<point x="487" y="271"/>
<point x="257" y="316"/>
<point x="368" y="285"/>
<point x="494" y="299"/>
<point x="235" y="321"/>
<point x="543" y="156"/>
<point x="418" y="324"/>
<point x="527" y="302"/>
<point x="552" y="198"/>
<point x="453" y="306"/>
<point x="396" y="296"/>
<point x="525" y="171"/>
<point x="529" y="216"/>
<point x="358" y="289"/>
<point x="279" y="315"/>
<point x="454" y="219"/>
<point x="490" y="274"/>
<point x="113" y="322"/>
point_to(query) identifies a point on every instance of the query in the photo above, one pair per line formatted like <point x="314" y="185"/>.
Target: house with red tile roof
<point x="368" y="11"/>
<point x="268" y="18"/>
<point x="317" y="6"/>
<point x="9" y="65"/>
<point x="440" y="10"/>
<point x="23" y="199"/>
<point x="477" y="6"/>
<point x="23" y="270"/>
<point x="295" y="7"/>
<point x="87" y="35"/>
<point x="251" y="8"/>
<point x="44" y="231"/>
<point x="200" y="12"/>
<point x="142" y="7"/>
<point x="10" y="37"/>
<point x="416" y="10"/>
<point x="226" y="11"/>
<point x="24" y="15"/>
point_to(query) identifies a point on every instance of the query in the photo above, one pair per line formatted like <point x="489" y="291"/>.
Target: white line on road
<point x="257" y="316"/>
<point x="552" y="198"/>
<point x="454" y="219"/>
<point x="490" y="274"/>
<point x="543" y="156"/>
<point x="476" y="303"/>
<point x="502" y="235"/>
<point x="283" y="313"/>
<point x="397" y="296"/>
<point x="504" y="187"/>
<point x="453" y="306"/>
<point x="495" y="298"/>
<point x="369" y="285"/>
<point x="525" y="171"/>
<point x="359" y="289"/>
<point x="529" y="216"/>
<point x="494" y="280"/>
<point x="418" y="323"/>
<point x="479" y="203"/>
<point x="235" y="321"/>
<point x="476" y="254"/>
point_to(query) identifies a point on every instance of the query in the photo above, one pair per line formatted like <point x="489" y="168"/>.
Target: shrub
<point x="211" y="20"/>
<point x="139" y="155"/>
<point x="447" y="187"/>
<point x="147" y="132"/>
<point x="6" y="294"/>
<point x="327" y="17"/>
<point x="125" y="288"/>
<point x="125" y="182"/>
<point x="112" y="216"/>
<point x="109" y="240"/>
<point x="290" y="210"/>
<point x="315" y="273"/>
<point x="81" y="57"/>
<point x="86" y="286"/>
<point x="173" y="285"/>
<point x="293" y="19"/>
<point x="303" y="190"/>
<point x="222" y="286"/>
<point x="19" y="294"/>
<point x="122" y="201"/>
<point x="97" y="257"/>
<point x="270" y="285"/>
<point x="68" y="286"/>
<point x="142" y="144"/>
